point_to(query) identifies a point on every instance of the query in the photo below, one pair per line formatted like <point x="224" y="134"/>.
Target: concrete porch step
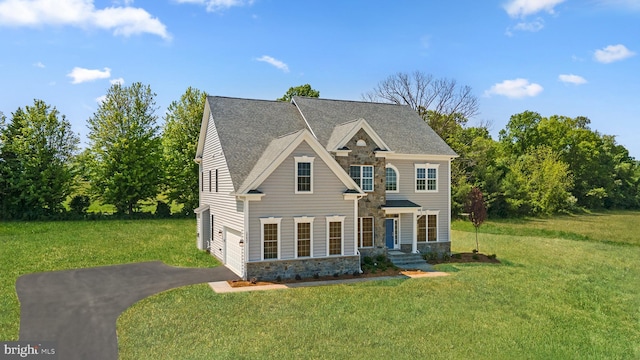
<point x="408" y="261"/>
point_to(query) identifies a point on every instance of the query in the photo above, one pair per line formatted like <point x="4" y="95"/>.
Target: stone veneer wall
<point x="423" y="248"/>
<point x="306" y="268"/>
<point x="371" y="205"/>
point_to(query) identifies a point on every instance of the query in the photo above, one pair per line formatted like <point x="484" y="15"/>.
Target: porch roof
<point x="398" y="206"/>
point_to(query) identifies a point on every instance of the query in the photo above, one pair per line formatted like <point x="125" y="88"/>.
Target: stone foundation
<point x="372" y="252"/>
<point x="306" y="268"/>
<point x="423" y="248"/>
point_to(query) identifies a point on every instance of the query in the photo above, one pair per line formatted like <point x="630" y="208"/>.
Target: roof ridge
<point x="351" y="101"/>
<point x="240" y="98"/>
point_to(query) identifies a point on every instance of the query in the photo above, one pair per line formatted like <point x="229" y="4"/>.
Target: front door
<point x="390" y="232"/>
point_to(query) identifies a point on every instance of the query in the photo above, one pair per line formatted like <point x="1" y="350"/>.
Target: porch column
<point x="414" y="242"/>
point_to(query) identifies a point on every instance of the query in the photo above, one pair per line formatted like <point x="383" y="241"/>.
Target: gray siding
<point x="226" y="210"/>
<point x="406" y="228"/>
<point x="281" y="201"/>
<point x="429" y="201"/>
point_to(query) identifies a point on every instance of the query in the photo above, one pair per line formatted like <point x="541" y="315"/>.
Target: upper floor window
<point x="304" y="174"/>
<point x="391" y="178"/>
<point x="363" y="176"/>
<point x="426" y="177"/>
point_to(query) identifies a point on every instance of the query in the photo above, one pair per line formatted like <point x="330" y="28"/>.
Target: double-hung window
<point x="365" y="232"/>
<point x="363" y="176"/>
<point x="426" y="177"/>
<point x="304" y="175"/>
<point x="270" y="230"/>
<point x="428" y="227"/>
<point x="304" y="236"/>
<point x="335" y="235"/>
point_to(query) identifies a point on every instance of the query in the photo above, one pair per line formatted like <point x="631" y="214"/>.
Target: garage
<point x="233" y="251"/>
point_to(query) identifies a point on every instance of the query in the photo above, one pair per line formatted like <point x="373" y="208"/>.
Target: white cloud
<point x="572" y="79"/>
<point x="125" y="21"/>
<point x="101" y="99"/>
<point x="517" y="88"/>
<point x="119" y="81"/>
<point x="613" y="53"/>
<point x="80" y="75"/>
<point x="217" y="5"/>
<point x="275" y="62"/>
<point x="522" y="8"/>
<point x="532" y="26"/>
<point x="39" y="64"/>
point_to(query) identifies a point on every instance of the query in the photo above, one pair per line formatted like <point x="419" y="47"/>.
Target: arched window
<point x="391" y="178"/>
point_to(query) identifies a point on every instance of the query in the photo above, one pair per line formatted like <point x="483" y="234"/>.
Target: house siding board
<point x="428" y="200"/>
<point x="223" y="206"/>
<point x="406" y="228"/>
<point x="280" y="201"/>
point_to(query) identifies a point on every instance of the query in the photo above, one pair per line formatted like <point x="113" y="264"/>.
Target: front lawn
<point x="29" y="247"/>
<point x="562" y="296"/>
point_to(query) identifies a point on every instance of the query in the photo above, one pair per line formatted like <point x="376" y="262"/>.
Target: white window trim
<point x="426" y="168"/>
<point x="397" y="190"/>
<point x="303" y="219"/>
<point x="302" y="159"/>
<point x="270" y="220"/>
<point x="373" y="232"/>
<point x="373" y="177"/>
<point x="336" y="218"/>
<point x="427" y="213"/>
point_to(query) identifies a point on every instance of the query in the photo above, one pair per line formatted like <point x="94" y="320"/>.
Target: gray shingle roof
<point x="247" y="127"/>
<point x="399" y="126"/>
<point x="400" y="204"/>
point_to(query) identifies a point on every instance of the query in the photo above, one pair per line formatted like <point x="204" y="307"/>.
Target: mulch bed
<point x="388" y="272"/>
<point x="464" y="258"/>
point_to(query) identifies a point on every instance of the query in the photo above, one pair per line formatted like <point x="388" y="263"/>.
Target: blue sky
<point x="564" y="57"/>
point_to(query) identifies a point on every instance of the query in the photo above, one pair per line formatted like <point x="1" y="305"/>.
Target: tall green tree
<point x="125" y="162"/>
<point x="36" y="149"/>
<point x="302" y="90"/>
<point x="179" y="142"/>
<point x="539" y="183"/>
<point x="603" y="171"/>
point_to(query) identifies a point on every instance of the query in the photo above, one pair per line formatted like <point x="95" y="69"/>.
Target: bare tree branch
<point x="423" y="92"/>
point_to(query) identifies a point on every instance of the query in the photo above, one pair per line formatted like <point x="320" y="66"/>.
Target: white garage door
<point x="234" y="251"/>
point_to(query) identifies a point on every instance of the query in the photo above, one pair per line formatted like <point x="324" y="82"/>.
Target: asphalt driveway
<point x="78" y="309"/>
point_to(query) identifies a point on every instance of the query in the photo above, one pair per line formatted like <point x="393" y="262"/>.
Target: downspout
<point x="449" y="210"/>
<point x="355" y="232"/>
<point x="414" y="242"/>
<point x="245" y="209"/>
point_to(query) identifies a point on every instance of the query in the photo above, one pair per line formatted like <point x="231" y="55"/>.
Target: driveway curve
<point x="78" y="309"/>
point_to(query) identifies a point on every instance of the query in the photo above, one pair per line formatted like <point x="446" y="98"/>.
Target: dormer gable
<point x="279" y="149"/>
<point x="344" y="133"/>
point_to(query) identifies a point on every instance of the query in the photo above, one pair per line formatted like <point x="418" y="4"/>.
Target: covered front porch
<point x="410" y="228"/>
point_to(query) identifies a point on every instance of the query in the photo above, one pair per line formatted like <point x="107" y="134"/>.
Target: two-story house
<point x="311" y="186"/>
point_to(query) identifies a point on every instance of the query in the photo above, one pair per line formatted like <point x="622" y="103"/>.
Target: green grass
<point x="614" y="227"/>
<point x="567" y="288"/>
<point x="552" y="298"/>
<point x="29" y="247"/>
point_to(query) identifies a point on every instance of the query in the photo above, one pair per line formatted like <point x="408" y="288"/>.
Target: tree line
<point x="537" y="166"/>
